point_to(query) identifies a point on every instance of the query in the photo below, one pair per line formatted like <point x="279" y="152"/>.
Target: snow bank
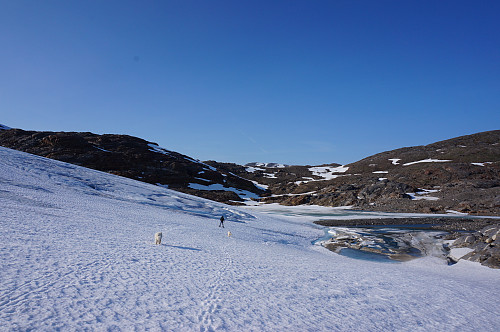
<point x="267" y="276"/>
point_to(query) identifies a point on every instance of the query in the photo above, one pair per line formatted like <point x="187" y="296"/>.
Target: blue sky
<point x="297" y="82"/>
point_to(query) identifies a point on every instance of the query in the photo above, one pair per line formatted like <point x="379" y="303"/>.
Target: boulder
<point x="484" y="244"/>
<point x="465" y="241"/>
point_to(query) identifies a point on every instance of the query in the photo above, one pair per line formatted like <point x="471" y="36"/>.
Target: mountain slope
<point x="134" y="158"/>
<point x="77" y="253"/>
<point x="460" y="174"/>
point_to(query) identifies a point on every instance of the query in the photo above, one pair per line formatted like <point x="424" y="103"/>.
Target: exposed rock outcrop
<point x="484" y="245"/>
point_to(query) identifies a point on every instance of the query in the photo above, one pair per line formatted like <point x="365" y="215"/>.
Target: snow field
<point x="77" y="253"/>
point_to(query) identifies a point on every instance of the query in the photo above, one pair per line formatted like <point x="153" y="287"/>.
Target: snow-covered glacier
<point x="77" y="253"/>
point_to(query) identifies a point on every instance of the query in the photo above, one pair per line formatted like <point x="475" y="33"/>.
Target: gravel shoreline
<point x="454" y="224"/>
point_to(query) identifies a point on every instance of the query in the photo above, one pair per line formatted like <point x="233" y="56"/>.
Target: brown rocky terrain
<point x="460" y="174"/>
<point x="133" y="158"/>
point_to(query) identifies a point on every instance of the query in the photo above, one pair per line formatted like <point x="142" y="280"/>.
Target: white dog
<point x="158" y="238"/>
<point x="229" y="234"/>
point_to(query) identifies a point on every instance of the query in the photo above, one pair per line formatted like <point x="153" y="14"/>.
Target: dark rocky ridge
<point x="130" y="157"/>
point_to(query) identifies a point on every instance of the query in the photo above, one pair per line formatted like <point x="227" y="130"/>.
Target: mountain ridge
<point x="131" y="157"/>
<point x="460" y="174"/>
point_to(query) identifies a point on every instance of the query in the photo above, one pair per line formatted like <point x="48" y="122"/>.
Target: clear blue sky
<point x="298" y="82"/>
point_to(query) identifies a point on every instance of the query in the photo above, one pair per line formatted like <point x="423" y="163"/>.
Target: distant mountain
<point x="133" y="158"/>
<point x="3" y="127"/>
<point x="456" y="175"/>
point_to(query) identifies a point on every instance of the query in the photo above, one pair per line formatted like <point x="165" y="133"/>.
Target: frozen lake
<point x="395" y="243"/>
<point x="385" y="244"/>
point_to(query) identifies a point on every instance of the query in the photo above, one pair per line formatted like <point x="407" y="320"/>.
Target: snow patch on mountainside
<point x="482" y="164"/>
<point x="216" y="186"/>
<point x="423" y="194"/>
<point x="251" y="169"/>
<point x="270" y="175"/>
<point x="260" y="185"/>
<point x="158" y="149"/>
<point x="426" y="161"/>
<point x="327" y="172"/>
<point x="417" y="197"/>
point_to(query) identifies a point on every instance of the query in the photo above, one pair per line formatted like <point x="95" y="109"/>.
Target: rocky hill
<point x="133" y="158"/>
<point x="460" y="174"/>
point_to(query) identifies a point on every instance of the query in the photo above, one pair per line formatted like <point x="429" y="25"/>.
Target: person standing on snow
<point x="221" y="224"/>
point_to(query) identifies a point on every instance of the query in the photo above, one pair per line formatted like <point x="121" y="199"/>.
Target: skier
<point x="221" y="224"/>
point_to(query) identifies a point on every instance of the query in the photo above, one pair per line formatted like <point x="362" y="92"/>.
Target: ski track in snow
<point x="77" y="253"/>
